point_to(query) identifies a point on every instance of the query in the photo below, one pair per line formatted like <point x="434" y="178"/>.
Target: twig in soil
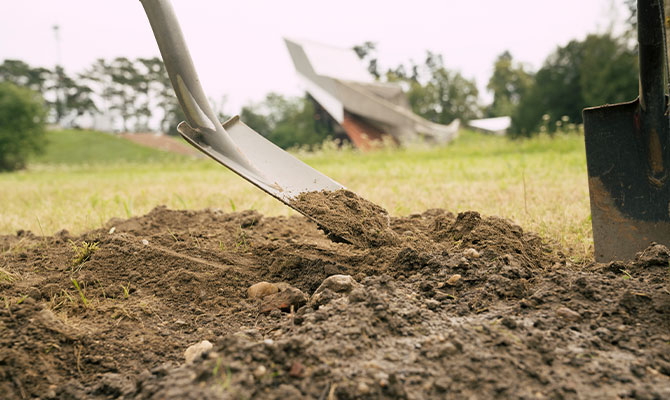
<point x="77" y="355"/>
<point x="173" y="235"/>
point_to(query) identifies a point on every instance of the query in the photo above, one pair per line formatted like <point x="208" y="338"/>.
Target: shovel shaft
<point x="653" y="116"/>
<point x="651" y="40"/>
<point x="185" y="82"/>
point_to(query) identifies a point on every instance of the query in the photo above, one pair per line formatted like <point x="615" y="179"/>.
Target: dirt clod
<point x="346" y="216"/>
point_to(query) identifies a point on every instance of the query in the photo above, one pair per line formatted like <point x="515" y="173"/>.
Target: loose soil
<point x="452" y="306"/>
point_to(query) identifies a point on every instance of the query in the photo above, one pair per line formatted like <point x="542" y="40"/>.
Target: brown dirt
<point x="459" y="306"/>
<point x="345" y="216"/>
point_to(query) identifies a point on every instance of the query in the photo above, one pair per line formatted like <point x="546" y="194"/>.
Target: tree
<point x="509" y="83"/>
<point x="438" y="94"/>
<point x="287" y="122"/>
<point x="368" y="52"/>
<point x="598" y="70"/>
<point x="22" y="117"/>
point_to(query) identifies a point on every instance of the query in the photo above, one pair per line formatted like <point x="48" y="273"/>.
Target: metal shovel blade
<point x="628" y="155"/>
<point x="233" y="144"/>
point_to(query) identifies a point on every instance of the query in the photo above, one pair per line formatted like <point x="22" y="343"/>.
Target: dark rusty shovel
<point x="628" y="154"/>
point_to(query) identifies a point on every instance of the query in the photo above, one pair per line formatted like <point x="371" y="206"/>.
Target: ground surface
<point x="162" y="142"/>
<point x="445" y="306"/>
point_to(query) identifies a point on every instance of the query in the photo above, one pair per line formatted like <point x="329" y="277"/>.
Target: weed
<point x="6" y="276"/>
<point x="81" y="292"/>
<point x="19" y="301"/>
<point x="626" y="274"/>
<point x="225" y="382"/>
<point x="241" y="243"/>
<point x="232" y="205"/>
<point x="173" y="235"/>
<point x="82" y="253"/>
<point x="126" y="291"/>
<point x="104" y="295"/>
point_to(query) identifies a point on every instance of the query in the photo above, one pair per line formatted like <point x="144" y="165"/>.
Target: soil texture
<point x="429" y="306"/>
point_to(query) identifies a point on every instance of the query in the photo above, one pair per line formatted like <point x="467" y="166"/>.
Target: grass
<point x="80" y="147"/>
<point x="539" y="183"/>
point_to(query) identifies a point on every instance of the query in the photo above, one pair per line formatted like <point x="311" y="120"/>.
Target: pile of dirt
<point x="437" y="306"/>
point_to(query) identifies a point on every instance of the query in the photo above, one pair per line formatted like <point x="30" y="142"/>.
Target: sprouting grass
<point x="539" y="183"/>
<point x="81" y="292"/>
<point x="6" y="276"/>
<point x="83" y="252"/>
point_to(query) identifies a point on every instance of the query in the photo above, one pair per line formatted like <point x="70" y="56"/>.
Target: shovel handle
<point x="185" y="82"/>
<point x="652" y="56"/>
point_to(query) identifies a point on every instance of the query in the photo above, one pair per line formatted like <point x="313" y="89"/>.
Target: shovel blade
<point x="628" y="185"/>
<point x="276" y="172"/>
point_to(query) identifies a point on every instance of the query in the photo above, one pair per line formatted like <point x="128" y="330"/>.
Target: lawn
<point x="86" y="178"/>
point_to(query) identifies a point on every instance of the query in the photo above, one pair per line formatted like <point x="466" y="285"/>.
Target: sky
<point x="239" y="53"/>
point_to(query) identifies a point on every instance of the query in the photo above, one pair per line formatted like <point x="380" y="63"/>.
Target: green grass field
<point x="86" y="178"/>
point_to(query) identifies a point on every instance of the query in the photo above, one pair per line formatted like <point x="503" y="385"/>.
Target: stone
<point x="568" y="314"/>
<point x="471" y="253"/>
<point x="145" y="242"/>
<point x="260" y="371"/>
<point x="332" y="287"/>
<point x="261" y="289"/>
<point x="297" y="370"/>
<point x="454" y="280"/>
<point x="338" y="284"/>
<point x="196" y="350"/>
<point x="284" y="301"/>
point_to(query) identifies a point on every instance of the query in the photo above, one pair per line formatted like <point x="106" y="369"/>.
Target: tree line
<point x="599" y="69"/>
<point x="132" y="91"/>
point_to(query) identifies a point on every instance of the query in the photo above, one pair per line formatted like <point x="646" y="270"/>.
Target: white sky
<point x="238" y="50"/>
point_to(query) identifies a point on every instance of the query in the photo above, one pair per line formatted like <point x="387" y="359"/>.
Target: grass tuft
<point x="83" y="252"/>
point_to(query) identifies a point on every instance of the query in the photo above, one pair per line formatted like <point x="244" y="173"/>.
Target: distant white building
<point x="496" y="126"/>
<point x="366" y="110"/>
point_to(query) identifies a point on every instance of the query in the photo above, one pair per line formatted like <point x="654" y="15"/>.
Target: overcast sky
<point x="238" y="49"/>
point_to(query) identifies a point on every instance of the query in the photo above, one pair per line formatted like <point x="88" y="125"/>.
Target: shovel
<point x="232" y="144"/>
<point x="628" y="154"/>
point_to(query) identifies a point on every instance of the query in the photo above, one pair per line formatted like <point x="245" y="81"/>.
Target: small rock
<point x="382" y="378"/>
<point x="338" y="284"/>
<point x="331" y="288"/>
<point x="362" y="388"/>
<point x="196" y="350"/>
<point x="112" y="230"/>
<point x="145" y="242"/>
<point x="568" y="314"/>
<point x="297" y="370"/>
<point x="261" y="289"/>
<point x="454" y="280"/>
<point x="268" y="342"/>
<point x="432" y="304"/>
<point x="471" y="253"/>
<point x="180" y="322"/>
<point x="260" y="371"/>
<point x="284" y="300"/>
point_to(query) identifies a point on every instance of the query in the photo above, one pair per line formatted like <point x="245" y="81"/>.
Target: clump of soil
<point x="454" y="306"/>
<point x="345" y="216"/>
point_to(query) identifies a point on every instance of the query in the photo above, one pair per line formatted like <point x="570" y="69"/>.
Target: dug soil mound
<point x="436" y="306"/>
